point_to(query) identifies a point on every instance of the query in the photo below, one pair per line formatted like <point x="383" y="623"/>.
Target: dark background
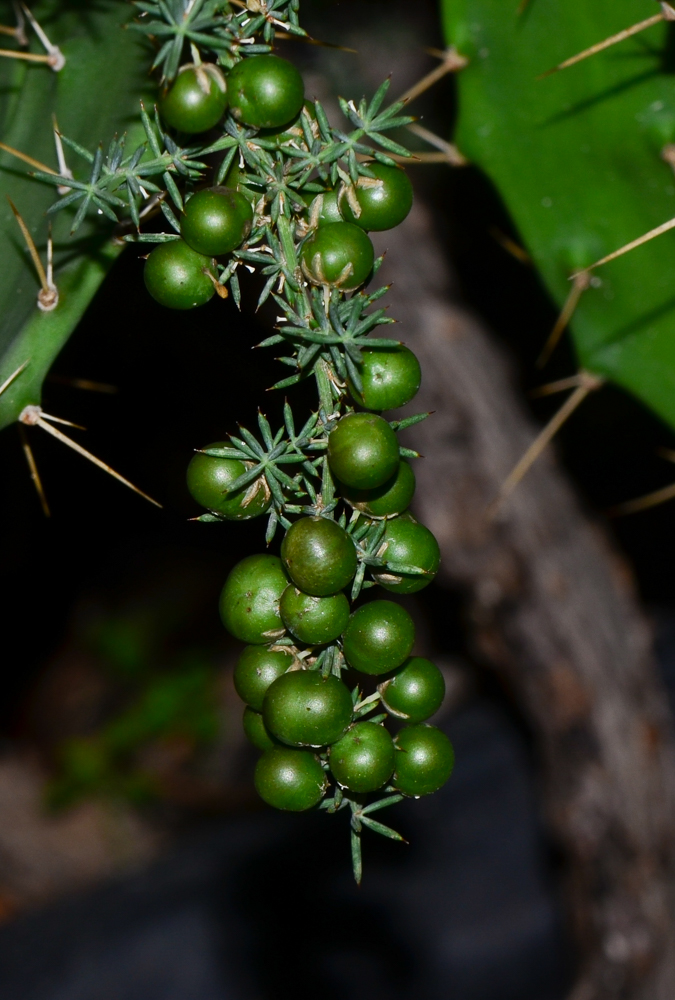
<point x="256" y="905"/>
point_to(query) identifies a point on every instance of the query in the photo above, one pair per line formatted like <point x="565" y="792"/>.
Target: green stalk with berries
<point x="247" y="172"/>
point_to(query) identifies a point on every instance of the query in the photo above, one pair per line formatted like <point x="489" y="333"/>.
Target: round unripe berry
<point x="209" y="479"/>
<point x="249" y="602"/>
<point x="409" y="543"/>
<point x="257" y="668"/>
<point x="303" y="708"/>
<point x="424" y="760"/>
<point x="265" y="91"/>
<point x="313" y="620"/>
<point x="379" y="637"/>
<point x="255" y="730"/>
<point x="197" y="99"/>
<point x="363" y="451"/>
<point x="384" y="201"/>
<point x="338" y="254"/>
<point x="363" y="760"/>
<point x="393" y="497"/>
<point x="324" y="209"/>
<point x="390" y="377"/>
<point x="216" y="220"/>
<point x="415" y="691"/>
<point x="290" y="779"/>
<point x="319" y="556"/>
<point x="176" y="276"/>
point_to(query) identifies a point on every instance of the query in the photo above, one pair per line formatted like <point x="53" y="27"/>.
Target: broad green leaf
<point x="93" y="97"/>
<point x="577" y="159"/>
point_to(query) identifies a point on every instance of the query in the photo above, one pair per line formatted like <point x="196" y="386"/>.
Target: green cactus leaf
<point x="94" y="96"/>
<point x="577" y="159"/>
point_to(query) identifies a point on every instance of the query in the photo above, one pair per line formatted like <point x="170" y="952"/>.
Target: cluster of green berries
<point x="267" y="93"/>
<point x="308" y="723"/>
<point x="289" y="609"/>
<point x="292" y="611"/>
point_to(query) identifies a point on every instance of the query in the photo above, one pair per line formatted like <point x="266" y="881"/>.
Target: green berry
<point x="319" y="556"/>
<point x="303" y="708"/>
<point x="257" y="668"/>
<point x="424" y="760"/>
<point x="290" y="779"/>
<point x="379" y="637"/>
<point x="415" y="692"/>
<point x="408" y="543"/>
<point x="197" y="99"/>
<point x="324" y="209"/>
<point x="390" y="377"/>
<point x="255" y="730"/>
<point x="383" y="200"/>
<point x="363" y="760"/>
<point x="249" y="602"/>
<point x="177" y="276"/>
<point x="209" y="479"/>
<point x="313" y="620"/>
<point x="363" y="451"/>
<point x="338" y="254"/>
<point x="216" y="220"/>
<point x="393" y="497"/>
<point x="265" y="91"/>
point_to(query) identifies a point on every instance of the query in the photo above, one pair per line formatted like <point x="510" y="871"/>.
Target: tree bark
<point x="556" y="615"/>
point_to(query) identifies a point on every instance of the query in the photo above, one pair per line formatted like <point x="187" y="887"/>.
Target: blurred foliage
<point x="165" y="709"/>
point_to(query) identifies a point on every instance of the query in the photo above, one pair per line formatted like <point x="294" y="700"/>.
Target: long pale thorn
<point x="588" y="383"/>
<point x="452" y="154"/>
<point x="581" y="283"/>
<point x="667" y="14"/>
<point x="8" y="381"/>
<point x="34" y="474"/>
<point x="652" y="234"/>
<point x="33" y="416"/>
<point x="452" y="62"/>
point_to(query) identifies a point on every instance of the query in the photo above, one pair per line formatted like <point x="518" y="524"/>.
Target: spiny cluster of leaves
<point x="265" y="459"/>
<point x="213" y="27"/>
<point x="323" y="329"/>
